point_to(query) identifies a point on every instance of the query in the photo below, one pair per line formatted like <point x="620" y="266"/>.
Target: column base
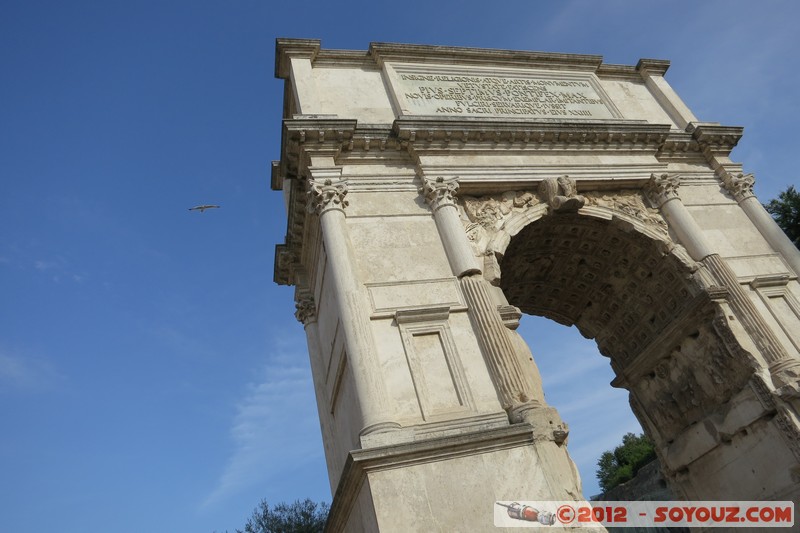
<point x="785" y="373"/>
<point x="545" y="421"/>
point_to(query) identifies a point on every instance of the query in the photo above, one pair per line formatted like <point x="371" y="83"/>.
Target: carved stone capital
<point x="439" y="192"/>
<point x="561" y="194"/>
<point x="739" y="185"/>
<point x="306" y="310"/>
<point x="662" y="188"/>
<point x="326" y="195"/>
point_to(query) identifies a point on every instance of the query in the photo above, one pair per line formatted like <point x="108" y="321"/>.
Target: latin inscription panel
<point x="473" y="92"/>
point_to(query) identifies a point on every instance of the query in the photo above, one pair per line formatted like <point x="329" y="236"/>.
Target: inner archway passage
<point x="618" y="287"/>
<point x="668" y="342"/>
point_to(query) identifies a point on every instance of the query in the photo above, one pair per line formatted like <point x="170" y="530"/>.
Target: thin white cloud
<point x="41" y="265"/>
<point x="576" y="382"/>
<point x="274" y="430"/>
<point x="27" y="374"/>
<point x="59" y="269"/>
<point x="585" y="400"/>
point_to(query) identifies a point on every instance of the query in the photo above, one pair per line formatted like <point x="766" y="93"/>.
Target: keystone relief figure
<point x="561" y="194"/>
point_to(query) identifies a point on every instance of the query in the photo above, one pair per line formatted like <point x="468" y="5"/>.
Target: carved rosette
<point x="326" y="196"/>
<point x="439" y="192"/>
<point x="306" y="310"/>
<point x="740" y="185"/>
<point x="661" y="188"/>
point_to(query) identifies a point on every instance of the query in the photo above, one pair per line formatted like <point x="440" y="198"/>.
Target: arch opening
<point x="575" y="381"/>
<point x="667" y="341"/>
<point x="618" y="287"/>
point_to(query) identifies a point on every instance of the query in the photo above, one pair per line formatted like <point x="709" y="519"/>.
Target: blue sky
<point x="152" y="376"/>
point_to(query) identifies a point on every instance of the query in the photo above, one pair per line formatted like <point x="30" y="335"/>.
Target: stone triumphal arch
<point x="435" y="194"/>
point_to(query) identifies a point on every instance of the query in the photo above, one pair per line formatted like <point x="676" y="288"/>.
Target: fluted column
<point x="663" y="192"/>
<point x="741" y="187"/>
<point x="327" y="198"/>
<point x="516" y="389"/>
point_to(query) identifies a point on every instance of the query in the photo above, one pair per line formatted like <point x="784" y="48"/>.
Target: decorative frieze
<point x="628" y="202"/>
<point x="490" y="211"/>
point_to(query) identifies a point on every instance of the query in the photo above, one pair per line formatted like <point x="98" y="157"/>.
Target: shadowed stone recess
<point x="617" y="287"/>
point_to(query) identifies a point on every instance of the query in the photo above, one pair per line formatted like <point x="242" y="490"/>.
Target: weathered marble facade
<point x="435" y="194"/>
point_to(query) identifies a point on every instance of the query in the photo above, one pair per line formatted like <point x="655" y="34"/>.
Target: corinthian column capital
<point x="661" y="188"/>
<point x="325" y="195"/>
<point x="439" y="192"/>
<point x="739" y="185"/>
<point x="306" y="309"/>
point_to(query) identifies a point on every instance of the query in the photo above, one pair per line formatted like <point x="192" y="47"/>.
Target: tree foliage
<point x="786" y="211"/>
<point x="299" y="517"/>
<point x="621" y="465"/>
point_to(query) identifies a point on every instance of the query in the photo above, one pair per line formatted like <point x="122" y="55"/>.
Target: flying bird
<point x="202" y="208"/>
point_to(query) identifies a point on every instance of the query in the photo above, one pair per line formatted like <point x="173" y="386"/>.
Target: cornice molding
<point x="379" y="52"/>
<point x="422" y="129"/>
<point x="715" y="138"/>
<point x="287" y="48"/>
<point x="652" y="67"/>
<point x="413" y="53"/>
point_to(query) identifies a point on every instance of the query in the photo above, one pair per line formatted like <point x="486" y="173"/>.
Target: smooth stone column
<point x="440" y="195"/>
<point x="327" y="199"/>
